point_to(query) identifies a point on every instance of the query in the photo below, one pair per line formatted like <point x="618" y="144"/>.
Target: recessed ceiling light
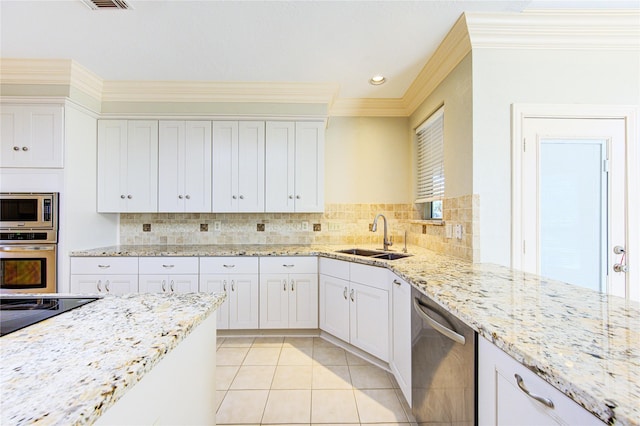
<point x="377" y="80"/>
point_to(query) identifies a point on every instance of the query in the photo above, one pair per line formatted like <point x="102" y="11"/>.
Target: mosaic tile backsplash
<point x="339" y="224"/>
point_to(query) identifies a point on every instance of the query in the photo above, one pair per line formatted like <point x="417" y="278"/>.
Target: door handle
<point x="544" y="401"/>
<point x="292" y="281"/>
<point x="344" y="293"/>
<point x="420" y="309"/>
<point x="352" y="295"/>
<point x="233" y="285"/>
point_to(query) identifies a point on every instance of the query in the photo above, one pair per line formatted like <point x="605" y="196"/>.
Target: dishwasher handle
<point x="420" y="309"/>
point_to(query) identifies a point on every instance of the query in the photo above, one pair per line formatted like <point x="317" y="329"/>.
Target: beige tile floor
<point x="302" y="381"/>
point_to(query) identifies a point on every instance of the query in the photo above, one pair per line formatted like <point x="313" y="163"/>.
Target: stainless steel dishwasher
<point x="443" y="366"/>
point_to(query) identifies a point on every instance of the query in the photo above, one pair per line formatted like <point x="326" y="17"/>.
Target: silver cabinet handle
<point x="224" y="285"/>
<point x="233" y="285"/>
<point x="288" y="266"/>
<point x="27" y="248"/>
<point x="164" y="285"/>
<point x="25" y="148"/>
<point x="129" y="196"/>
<point x="352" y="295"/>
<point x="344" y="293"/>
<point x="420" y="309"/>
<point x="229" y="266"/>
<point x="171" y="286"/>
<point x="396" y="282"/>
<point x="292" y="282"/>
<point x="104" y="266"/>
<point x="168" y="266"/>
<point x="188" y="197"/>
<point x="99" y="288"/>
<point x="540" y="399"/>
<point x="284" y="285"/>
<point x="16" y="148"/>
<point x="106" y="286"/>
<point x="180" y="197"/>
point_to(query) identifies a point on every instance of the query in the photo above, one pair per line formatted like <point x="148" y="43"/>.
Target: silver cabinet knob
<point x="122" y="196"/>
<point x="25" y="148"/>
<point x="180" y="197"/>
<point x="234" y="197"/>
<point x="129" y="196"/>
<point x="298" y="197"/>
<point x="188" y="197"/>
<point x="291" y="197"/>
<point x="16" y="148"/>
<point x="242" y="197"/>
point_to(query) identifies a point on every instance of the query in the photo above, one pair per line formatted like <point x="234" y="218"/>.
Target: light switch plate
<point x="458" y="231"/>
<point x="217" y="226"/>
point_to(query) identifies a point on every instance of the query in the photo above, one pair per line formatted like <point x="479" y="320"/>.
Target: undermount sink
<point x="385" y="255"/>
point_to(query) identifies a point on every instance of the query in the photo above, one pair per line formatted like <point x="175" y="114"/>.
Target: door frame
<point x="628" y="113"/>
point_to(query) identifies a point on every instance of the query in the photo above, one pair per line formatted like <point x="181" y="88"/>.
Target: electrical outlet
<point x="458" y="229"/>
<point x="333" y="227"/>
<point x="305" y="226"/>
<point x="217" y="226"/>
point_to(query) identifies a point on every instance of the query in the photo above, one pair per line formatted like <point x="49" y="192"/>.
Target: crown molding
<point x="86" y="81"/>
<point x="557" y="29"/>
<point x="35" y="71"/>
<point x="455" y="46"/>
<point x="359" y="107"/>
<point x="206" y="91"/>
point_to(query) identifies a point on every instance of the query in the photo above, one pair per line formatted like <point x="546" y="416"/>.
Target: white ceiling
<point x="343" y="42"/>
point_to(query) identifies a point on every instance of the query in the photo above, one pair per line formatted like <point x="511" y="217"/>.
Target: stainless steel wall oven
<point x="28" y="242"/>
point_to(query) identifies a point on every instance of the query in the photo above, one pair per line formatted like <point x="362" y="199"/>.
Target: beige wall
<point x="368" y="160"/>
<point x="455" y="92"/>
<point x="502" y="77"/>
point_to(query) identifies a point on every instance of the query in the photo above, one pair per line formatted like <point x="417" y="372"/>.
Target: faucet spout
<point x="374" y="227"/>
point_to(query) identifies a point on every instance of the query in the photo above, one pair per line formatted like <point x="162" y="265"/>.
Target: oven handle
<point x="27" y="248"/>
<point x="419" y="307"/>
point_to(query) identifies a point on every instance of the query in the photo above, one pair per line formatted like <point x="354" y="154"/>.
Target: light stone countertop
<point x="69" y="369"/>
<point x="584" y="343"/>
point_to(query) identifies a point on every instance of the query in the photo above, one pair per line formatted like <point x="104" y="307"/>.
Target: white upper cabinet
<point x="294" y="179"/>
<point x="32" y="136"/>
<point x="184" y="166"/>
<point x="238" y="166"/>
<point x="127" y="166"/>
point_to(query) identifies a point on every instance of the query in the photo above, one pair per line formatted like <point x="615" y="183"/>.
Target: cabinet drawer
<point x="228" y="265"/>
<point x="168" y="265"/>
<point x="334" y="268"/>
<point x="289" y="265"/>
<point x="104" y="265"/>
<point x="369" y="275"/>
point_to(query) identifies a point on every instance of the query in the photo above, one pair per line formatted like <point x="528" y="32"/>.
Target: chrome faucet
<point x="385" y="242"/>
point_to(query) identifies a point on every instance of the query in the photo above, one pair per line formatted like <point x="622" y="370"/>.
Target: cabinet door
<point x="225" y="163"/>
<point x="309" y="167"/>
<point x="217" y="283"/>
<point x="108" y="284"/>
<point x="369" y="314"/>
<point x="142" y="166"/>
<point x="32" y="136"/>
<point x="153" y="283"/>
<point x="87" y="284"/>
<point x="243" y="301"/>
<point x="171" y="152"/>
<point x="250" y="170"/>
<point x="274" y="301"/>
<point x="303" y="301"/>
<point x="112" y="157"/>
<point x="182" y="284"/>
<point x="334" y="306"/>
<point x="401" y="335"/>
<point x="280" y="169"/>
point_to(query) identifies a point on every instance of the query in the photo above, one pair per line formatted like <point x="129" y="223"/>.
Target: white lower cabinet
<point x="355" y="307"/>
<point x="504" y="401"/>
<point x="104" y="275"/>
<point x="288" y="292"/>
<point x="168" y="274"/>
<point x="400" y="361"/>
<point x="238" y="278"/>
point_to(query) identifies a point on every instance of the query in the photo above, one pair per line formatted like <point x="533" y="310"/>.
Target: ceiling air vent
<point x="106" y="4"/>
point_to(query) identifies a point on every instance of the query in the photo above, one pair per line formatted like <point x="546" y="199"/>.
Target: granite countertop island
<point x="71" y="368"/>
<point x="584" y="343"/>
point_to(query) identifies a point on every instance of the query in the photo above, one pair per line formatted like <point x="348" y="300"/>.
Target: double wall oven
<point x="28" y="242"/>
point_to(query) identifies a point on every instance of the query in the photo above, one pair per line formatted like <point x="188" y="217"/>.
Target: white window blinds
<point x="430" y="174"/>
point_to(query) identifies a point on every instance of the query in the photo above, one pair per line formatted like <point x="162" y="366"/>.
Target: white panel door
<point x="215" y="283"/>
<point x="243" y="301"/>
<point x="142" y="166"/>
<point x="274" y="301"/>
<point x="171" y="140"/>
<point x="280" y="168"/>
<point x="153" y="283"/>
<point x="574" y="201"/>
<point x="225" y="163"/>
<point x="334" y="306"/>
<point x="112" y="166"/>
<point x="197" y="167"/>
<point x="303" y="301"/>
<point x="401" y="334"/>
<point x="250" y="169"/>
<point x="369" y="313"/>
<point x="309" y="167"/>
<point x="108" y="284"/>
<point x="182" y="283"/>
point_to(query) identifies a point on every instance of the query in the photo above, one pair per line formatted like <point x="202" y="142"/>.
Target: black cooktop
<point x="23" y="311"/>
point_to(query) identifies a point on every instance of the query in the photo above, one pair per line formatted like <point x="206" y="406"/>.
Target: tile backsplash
<point x="339" y="224"/>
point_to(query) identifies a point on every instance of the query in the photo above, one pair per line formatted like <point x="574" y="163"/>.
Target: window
<point x="430" y="173"/>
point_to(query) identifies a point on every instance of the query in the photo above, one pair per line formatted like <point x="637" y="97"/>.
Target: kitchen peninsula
<point x="585" y="344"/>
<point x="104" y="356"/>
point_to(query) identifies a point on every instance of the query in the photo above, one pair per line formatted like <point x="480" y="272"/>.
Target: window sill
<point x="430" y="222"/>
